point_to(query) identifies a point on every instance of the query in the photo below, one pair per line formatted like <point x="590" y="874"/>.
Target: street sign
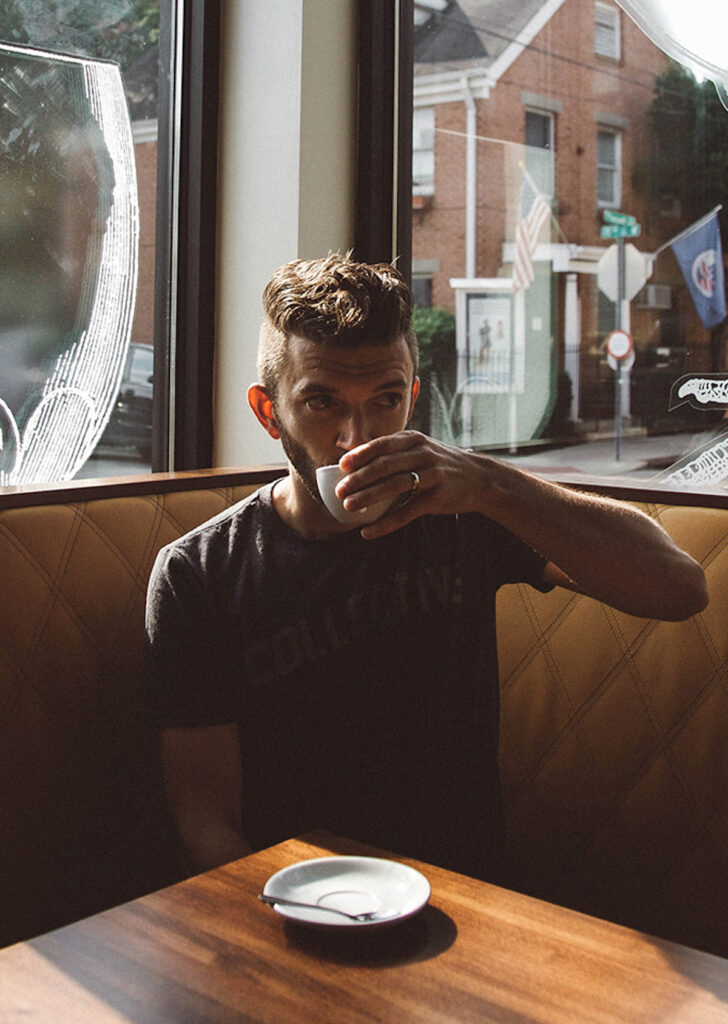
<point x="613" y="217"/>
<point x="620" y="230"/>
<point x="619" y="345"/>
<point x="635" y="272"/>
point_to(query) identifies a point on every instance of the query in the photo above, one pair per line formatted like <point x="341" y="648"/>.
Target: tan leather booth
<point x="83" y="824"/>
<point x="614" y="753"/>
<point x="614" y="750"/>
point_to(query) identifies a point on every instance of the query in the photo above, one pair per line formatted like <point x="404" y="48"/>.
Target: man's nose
<point x="353" y="431"/>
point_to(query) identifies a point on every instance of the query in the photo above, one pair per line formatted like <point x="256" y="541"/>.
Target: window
<point x="95" y="188"/>
<point x="422" y="290"/>
<point x="606" y="31"/>
<point x="539" y="130"/>
<point x="423" y="151"/>
<point x="546" y="154"/>
<point x="540" y="144"/>
<point x="608" y="167"/>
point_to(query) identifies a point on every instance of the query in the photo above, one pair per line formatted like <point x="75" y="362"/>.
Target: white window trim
<point x="427" y="189"/>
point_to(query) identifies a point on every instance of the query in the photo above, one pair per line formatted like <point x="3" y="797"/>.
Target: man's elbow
<point x="689" y="595"/>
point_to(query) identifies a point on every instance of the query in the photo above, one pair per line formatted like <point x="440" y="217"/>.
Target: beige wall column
<point x="286" y="178"/>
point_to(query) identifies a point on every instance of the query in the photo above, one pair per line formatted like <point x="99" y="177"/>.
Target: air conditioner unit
<point x="654" y="296"/>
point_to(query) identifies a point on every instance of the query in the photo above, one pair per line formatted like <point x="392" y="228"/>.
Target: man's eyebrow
<point x="312" y="387"/>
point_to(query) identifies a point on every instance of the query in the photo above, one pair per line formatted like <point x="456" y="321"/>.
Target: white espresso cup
<point x="327" y="477"/>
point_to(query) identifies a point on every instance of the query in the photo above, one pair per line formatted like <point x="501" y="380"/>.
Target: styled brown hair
<point x="333" y="301"/>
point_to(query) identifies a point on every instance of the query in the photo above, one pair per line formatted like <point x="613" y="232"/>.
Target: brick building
<point x="560" y="90"/>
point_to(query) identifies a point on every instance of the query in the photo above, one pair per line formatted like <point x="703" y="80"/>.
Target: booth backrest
<point x="83" y="824"/>
<point x="614" y="752"/>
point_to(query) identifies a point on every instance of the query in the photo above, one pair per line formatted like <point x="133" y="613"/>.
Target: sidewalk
<point x="642" y="457"/>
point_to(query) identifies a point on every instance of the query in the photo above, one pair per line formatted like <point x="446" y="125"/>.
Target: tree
<point x="435" y="330"/>
<point x="689" y="160"/>
<point x="119" y="30"/>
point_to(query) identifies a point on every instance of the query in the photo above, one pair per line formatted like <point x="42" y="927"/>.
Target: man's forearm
<point x="607" y="549"/>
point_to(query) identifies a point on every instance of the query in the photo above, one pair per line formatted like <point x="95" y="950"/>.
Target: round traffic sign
<point x="619" y="345"/>
<point x="620" y="351"/>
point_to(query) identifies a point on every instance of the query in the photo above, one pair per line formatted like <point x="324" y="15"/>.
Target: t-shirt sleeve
<point x="186" y="680"/>
<point x="510" y="559"/>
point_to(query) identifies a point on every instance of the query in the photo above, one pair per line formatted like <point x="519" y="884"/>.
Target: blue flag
<point x="701" y="260"/>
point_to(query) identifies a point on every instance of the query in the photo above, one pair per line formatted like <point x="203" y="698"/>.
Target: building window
<point x="609" y="167"/>
<point x="540" y="145"/>
<point x="423" y="151"/>
<point x="539" y="129"/>
<point x="422" y="291"/>
<point x="607" y="41"/>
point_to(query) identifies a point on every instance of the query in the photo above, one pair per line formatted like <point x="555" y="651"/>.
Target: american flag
<point x="535" y="211"/>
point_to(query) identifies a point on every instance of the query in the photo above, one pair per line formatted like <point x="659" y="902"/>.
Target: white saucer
<point x="354" y="884"/>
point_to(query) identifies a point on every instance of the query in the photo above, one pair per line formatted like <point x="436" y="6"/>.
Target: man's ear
<point x="262" y="405"/>
<point x="413" y="399"/>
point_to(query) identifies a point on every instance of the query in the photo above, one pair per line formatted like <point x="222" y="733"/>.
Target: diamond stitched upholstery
<point x="83" y="823"/>
<point x="614" y="757"/>
<point x="613" y="752"/>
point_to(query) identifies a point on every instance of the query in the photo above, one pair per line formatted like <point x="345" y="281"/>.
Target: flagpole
<point x="686" y="231"/>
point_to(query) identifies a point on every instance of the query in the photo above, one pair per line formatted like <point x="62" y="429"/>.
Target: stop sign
<point x="635" y="272"/>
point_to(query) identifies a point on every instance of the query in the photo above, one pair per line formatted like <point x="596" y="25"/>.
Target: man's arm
<point x="606" y="549"/>
<point x="202" y="778"/>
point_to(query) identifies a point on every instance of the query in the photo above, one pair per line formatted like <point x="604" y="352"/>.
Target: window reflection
<point x="69" y="269"/>
<point x="68" y="177"/>
<point x="571" y="106"/>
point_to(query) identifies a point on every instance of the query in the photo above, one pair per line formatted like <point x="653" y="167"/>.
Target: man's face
<point x="330" y="400"/>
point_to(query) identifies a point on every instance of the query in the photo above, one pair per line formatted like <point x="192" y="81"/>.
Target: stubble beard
<point x="301" y="462"/>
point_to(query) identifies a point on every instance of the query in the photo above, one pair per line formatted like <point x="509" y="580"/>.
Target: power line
<point x="544" y="51"/>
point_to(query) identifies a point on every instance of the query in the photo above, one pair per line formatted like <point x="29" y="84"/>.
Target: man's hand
<point x="383" y="468"/>
<point x="606" y="549"/>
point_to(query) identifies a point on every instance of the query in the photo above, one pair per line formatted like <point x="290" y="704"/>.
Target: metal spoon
<point x="370" y="915"/>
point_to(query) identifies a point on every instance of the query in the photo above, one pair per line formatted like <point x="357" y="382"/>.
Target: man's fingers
<point x="388" y="444"/>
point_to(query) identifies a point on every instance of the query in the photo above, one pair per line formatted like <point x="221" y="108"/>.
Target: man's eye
<point x="390" y="400"/>
<point x="319" y="402"/>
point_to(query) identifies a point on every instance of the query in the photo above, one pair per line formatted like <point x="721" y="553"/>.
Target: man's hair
<point x="333" y="301"/>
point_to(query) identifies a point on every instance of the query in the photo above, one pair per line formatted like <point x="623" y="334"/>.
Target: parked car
<point x="130" y="424"/>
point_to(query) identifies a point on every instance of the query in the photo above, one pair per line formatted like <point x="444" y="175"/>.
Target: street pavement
<point x="641" y="457"/>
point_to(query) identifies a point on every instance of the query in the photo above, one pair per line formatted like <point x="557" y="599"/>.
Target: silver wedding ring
<point x="406" y="498"/>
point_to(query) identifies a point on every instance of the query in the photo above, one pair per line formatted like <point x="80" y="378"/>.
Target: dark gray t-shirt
<point x="362" y="674"/>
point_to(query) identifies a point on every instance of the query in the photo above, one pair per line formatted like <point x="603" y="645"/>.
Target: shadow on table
<point x="422" y="937"/>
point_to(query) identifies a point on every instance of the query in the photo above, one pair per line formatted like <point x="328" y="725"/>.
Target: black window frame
<point x="184" y="328"/>
<point x="383" y="219"/>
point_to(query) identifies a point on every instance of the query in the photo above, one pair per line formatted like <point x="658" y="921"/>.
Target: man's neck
<point x="302" y="512"/>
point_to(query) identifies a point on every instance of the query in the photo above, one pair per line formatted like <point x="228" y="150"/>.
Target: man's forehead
<point x="316" y="360"/>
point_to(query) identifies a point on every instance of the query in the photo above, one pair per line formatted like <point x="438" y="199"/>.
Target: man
<point x="309" y="674"/>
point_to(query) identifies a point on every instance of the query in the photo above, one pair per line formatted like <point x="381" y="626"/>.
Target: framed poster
<point x="492" y="362"/>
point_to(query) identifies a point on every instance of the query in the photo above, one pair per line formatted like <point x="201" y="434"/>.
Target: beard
<point x="301" y="462"/>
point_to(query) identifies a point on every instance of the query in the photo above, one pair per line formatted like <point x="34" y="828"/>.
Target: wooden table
<point x="208" y="950"/>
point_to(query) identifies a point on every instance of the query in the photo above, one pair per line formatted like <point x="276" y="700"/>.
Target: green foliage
<point x="689" y="161"/>
<point x="434" y="328"/>
<point x="119" y="30"/>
